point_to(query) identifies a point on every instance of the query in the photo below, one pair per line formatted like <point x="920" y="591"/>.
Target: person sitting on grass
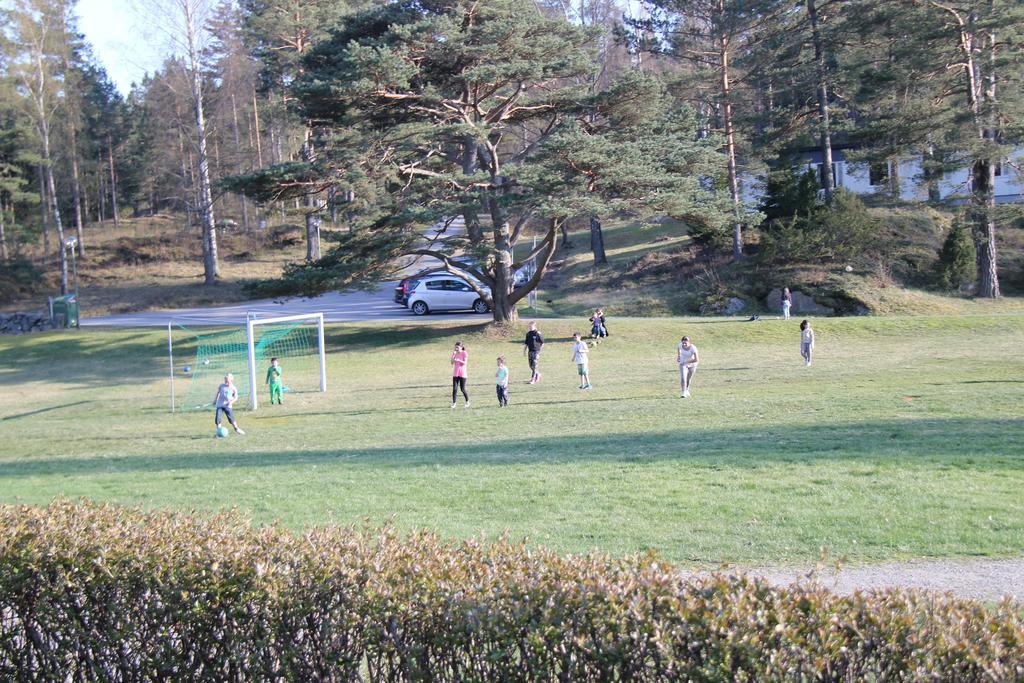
<point x="579" y="356"/>
<point x="274" y="380"/>
<point x="226" y="396"/>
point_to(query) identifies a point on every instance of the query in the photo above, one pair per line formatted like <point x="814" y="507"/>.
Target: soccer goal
<point x="204" y="357"/>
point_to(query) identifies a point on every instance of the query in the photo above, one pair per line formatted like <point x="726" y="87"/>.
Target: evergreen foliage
<point x="840" y="230"/>
<point x="957" y="259"/>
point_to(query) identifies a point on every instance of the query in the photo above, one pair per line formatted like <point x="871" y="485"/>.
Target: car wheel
<point x="420" y="308"/>
<point x="480" y="306"/>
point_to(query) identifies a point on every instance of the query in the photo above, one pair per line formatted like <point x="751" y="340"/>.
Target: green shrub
<point x="840" y="230"/>
<point x="789" y="191"/>
<point x="91" y="592"/>
<point x="18" y="277"/>
<point x="957" y="262"/>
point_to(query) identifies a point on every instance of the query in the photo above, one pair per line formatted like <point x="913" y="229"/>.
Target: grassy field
<point x="904" y="439"/>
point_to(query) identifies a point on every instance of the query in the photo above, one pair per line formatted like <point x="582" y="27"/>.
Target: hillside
<point x="156" y="262"/>
<point x="657" y="270"/>
<point x="653" y="270"/>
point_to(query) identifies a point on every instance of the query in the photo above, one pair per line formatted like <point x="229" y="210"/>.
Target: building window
<point x="878" y="173"/>
<point x="999" y="168"/>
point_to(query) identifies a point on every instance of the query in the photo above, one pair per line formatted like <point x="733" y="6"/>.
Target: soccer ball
<point x="187" y="369"/>
<point x="206" y="361"/>
<point x="222" y="432"/>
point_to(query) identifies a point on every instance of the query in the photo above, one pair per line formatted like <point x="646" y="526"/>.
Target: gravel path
<point x="980" y="579"/>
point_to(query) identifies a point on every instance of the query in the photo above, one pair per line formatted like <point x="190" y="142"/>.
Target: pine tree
<point x="403" y="90"/>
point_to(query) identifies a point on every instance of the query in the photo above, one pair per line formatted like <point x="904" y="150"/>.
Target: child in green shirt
<point x="274" y="380"/>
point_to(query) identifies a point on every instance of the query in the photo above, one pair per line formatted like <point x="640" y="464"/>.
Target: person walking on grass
<point x="460" y="358"/>
<point x="274" y="380"/>
<point x="687" y="358"/>
<point x="787" y="302"/>
<point x="531" y="347"/>
<point x="501" y="382"/>
<point x="226" y="396"/>
<point x="806" y="341"/>
<point x="580" y="357"/>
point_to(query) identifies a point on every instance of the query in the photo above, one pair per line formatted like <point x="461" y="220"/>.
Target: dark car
<point x="402" y="290"/>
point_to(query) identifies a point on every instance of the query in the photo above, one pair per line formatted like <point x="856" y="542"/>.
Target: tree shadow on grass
<point x="977" y="445"/>
<point x="84" y="358"/>
<point x="44" y="410"/>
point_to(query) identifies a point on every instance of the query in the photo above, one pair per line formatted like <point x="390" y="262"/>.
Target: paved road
<point x="337" y="308"/>
<point x="978" y="579"/>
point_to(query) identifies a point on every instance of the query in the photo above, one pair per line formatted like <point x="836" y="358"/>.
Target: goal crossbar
<point x="251" y="322"/>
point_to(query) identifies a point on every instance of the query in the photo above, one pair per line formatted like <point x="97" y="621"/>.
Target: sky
<point x="120" y="39"/>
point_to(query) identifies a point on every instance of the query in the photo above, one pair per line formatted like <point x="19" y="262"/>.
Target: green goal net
<point x="200" y="363"/>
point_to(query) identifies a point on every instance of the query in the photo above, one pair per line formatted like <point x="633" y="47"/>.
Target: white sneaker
<point x="467" y="404"/>
<point x="686" y="394"/>
<point x="453" y="406"/>
<point x="239" y="431"/>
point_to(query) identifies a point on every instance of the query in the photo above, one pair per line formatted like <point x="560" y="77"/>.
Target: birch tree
<point x="183" y="24"/>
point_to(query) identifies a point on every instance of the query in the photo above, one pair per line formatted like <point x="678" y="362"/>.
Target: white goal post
<point x="219" y="349"/>
<point x="251" y="322"/>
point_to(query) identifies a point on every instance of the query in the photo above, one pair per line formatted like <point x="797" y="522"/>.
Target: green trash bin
<point x="64" y="310"/>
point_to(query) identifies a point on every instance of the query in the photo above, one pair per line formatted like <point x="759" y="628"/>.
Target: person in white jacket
<point x="806" y="341"/>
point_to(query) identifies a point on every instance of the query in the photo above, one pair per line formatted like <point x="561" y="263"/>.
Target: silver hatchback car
<point x="445" y="292"/>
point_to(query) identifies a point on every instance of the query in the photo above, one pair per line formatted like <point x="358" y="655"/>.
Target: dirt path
<point x="980" y="579"/>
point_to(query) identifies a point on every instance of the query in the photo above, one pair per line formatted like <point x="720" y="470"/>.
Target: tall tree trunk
<point x="821" y="73"/>
<point x="984" y="229"/>
<point x="51" y="188"/>
<point x="71" y="115"/>
<point x="730" y="139"/>
<point x="186" y="166"/>
<point x="76" y="192"/>
<point x="101" y="205"/>
<point x="894" y="178"/>
<point x="44" y="212"/>
<point x="210" y="262"/>
<point x="982" y="103"/>
<point x="563" y="226"/>
<point x="502" y="307"/>
<point x="313" y="204"/>
<point x="238" y="162"/>
<point x="932" y="175"/>
<point x="113" y="180"/>
<point x="597" y="242"/>
<point x="3" y="234"/>
<point x="469" y="210"/>
<point x="256" y="122"/>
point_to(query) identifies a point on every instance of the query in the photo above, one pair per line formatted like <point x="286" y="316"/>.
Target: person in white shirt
<point x="686" y="356"/>
<point x="579" y="356"/>
<point x="223" y="402"/>
<point x="806" y="341"/>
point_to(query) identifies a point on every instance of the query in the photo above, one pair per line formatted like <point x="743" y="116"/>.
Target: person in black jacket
<point x="531" y="347"/>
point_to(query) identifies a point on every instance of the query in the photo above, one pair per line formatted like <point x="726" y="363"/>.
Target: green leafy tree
<point x="408" y="91"/>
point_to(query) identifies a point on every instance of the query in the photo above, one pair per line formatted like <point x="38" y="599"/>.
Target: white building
<point x="864" y="178"/>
